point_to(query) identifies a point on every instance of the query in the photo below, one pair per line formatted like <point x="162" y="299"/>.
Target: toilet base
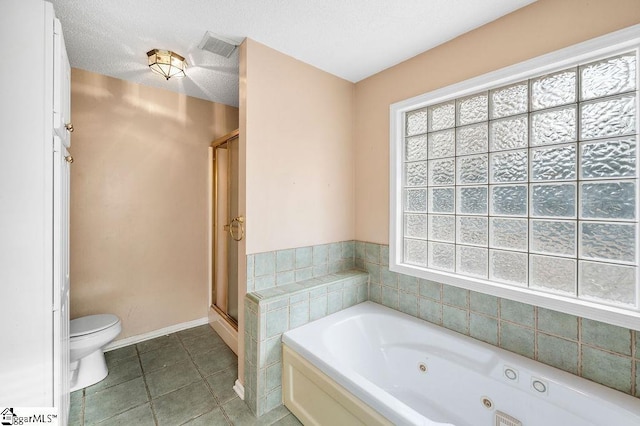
<point x="88" y="371"/>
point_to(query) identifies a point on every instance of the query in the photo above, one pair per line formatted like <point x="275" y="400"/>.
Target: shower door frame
<point x="214" y="228"/>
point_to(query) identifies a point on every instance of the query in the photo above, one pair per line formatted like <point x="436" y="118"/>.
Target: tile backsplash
<point x="600" y="352"/>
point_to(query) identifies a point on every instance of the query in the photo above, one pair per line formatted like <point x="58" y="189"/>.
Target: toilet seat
<point x="91" y="324"/>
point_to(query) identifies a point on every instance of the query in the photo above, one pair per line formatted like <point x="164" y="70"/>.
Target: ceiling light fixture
<point x="166" y="63"/>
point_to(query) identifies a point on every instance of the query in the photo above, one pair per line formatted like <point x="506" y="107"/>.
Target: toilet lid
<point x="91" y="324"/>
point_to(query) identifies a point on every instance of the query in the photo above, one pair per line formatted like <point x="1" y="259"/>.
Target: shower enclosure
<point x="227" y="229"/>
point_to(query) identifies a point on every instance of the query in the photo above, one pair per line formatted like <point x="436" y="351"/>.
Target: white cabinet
<point x="61" y="87"/>
<point x="34" y="208"/>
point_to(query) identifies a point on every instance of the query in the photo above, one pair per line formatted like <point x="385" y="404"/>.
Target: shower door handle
<point x="237" y="223"/>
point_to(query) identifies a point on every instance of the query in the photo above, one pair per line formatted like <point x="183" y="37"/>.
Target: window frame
<point x="621" y="41"/>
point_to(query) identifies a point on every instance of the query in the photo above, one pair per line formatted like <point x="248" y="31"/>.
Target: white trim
<point x="591" y="50"/>
<point x="239" y="389"/>
<point x="156" y="333"/>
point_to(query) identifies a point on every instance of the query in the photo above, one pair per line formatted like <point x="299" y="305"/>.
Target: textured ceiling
<point x="352" y="39"/>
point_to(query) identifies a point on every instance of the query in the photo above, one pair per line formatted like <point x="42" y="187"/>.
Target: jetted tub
<point x="411" y="372"/>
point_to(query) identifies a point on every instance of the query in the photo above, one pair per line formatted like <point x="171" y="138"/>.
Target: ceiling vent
<point x="218" y="45"/>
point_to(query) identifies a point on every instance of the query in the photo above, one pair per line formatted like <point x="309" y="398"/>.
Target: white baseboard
<point x="239" y="389"/>
<point x="156" y="333"/>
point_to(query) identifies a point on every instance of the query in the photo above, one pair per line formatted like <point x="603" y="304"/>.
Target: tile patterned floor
<point x="182" y="378"/>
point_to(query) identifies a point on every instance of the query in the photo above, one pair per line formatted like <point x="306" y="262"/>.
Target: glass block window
<point x="532" y="184"/>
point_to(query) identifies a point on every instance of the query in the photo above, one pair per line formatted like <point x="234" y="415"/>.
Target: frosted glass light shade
<point x="166" y="63"/>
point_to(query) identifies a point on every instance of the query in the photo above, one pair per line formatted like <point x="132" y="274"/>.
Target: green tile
<point x="375" y="293"/>
<point x="199" y="331"/>
<point x="265" y="264"/>
<point x="349" y="297"/>
<point x="171" y="378"/>
<point x="557" y="352"/>
<point x="455" y="296"/>
<point x="384" y="255"/>
<point x="388" y="278"/>
<point x="430" y="289"/>
<point x="320" y="254"/>
<point x="289" y="420"/>
<point x="304" y="274"/>
<point x="274" y="377"/>
<point x="203" y="344"/>
<point x="273" y="351"/>
<point x="430" y="310"/>
<point x="317" y="308"/>
<point x="638" y="378"/>
<point x="222" y="383"/>
<point x="372" y="253"/>
<point x="553" y="322"/>
<point x="213" y="362"/>
<point x="455" y="319"/>
<point x="298" y="315"/>
<point x="273" y="400"/>
<point x="250" y="266"/>
<point x="606" y="336"/>
<point x="362" y="293"/>
<point x="517" y="312"/>
<point x="483" y="303"/>
<point x="170" y="340"/>
<point x="117" y="399"/>
<point x="284" y="278"/>
<point x="606" y="368"/>
<point x="637" y="333"/>
<point x="162" y="357"/>
<point x="360" y="250"/>
<point x="374" y="272"/>
<point x="335" y="252"/>
<point x="214" y="417"/>
<point x="320" y="270"/>
<point x="390" y="297"/>
<point x="119" y="354"/>
<point x="264" y="282"/>
<point x="408" y="284"/>
<point x="76" y="408"/>
<point x="334" y="302"/>
<point x="348" y="249"/>
<point x="517" y="339"/>
<point x="483" y="328"/>
<point x="408" y="303"/>
<point x="276" y="304"/>
<point x="120" y="372"/>
<point x="304" y="257"/>
<point x="285" y="260"/>
<point x="299" y="298"/>
<point x="184" y="404"/>
<point x="139" y="416"/>
<point x="240" y="414"/>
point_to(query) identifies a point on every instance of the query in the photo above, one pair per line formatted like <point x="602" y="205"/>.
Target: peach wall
<point x="539" y="28"/>
<point x="139" y="218"/>
<point x="299" y="153"/>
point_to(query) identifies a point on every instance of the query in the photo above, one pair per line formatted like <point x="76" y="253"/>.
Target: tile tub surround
<point x="271" y="312"/>
<point x="603" y="353"/>
<point x="283" y="267"/>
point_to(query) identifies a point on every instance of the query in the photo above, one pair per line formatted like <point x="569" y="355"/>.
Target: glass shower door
<point x="228" y="229"/>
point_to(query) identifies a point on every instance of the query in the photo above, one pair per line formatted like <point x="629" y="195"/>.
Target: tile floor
<point x="183" y="378"/>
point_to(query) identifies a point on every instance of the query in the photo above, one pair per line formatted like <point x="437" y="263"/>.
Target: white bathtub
<point x="414" y="373"/>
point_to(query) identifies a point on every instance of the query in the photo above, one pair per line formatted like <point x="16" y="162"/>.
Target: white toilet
<point x="88" y="337"/>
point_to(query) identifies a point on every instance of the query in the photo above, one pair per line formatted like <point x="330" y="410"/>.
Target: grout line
<point x="146" y="387"/>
